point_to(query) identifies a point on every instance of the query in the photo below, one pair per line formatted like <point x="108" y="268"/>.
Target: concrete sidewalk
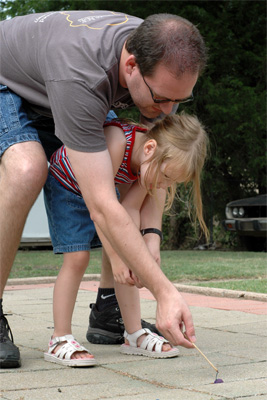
<point x="231" y="332"/>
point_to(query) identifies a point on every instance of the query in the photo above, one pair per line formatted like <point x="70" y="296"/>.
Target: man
<point x="70" y="69"/>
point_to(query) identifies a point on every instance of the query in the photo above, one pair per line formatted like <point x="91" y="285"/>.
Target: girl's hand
<point x="137" y="281"/>
<point x="122" y="274"/>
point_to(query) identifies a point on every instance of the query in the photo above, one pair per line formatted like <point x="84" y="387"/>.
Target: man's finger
<point x="176" y="338"/>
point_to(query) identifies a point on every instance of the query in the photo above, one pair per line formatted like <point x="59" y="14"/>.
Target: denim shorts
<point x="71" y="228"/>
<point x="15" y="126"/>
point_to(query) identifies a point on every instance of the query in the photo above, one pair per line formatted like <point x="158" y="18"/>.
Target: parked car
<point x="248" y="218"/>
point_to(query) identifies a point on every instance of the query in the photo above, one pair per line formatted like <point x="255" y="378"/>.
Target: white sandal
<point x="151" y="346"/>
<point x="64" y="353"/>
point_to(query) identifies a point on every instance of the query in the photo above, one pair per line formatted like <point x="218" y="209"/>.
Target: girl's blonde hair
<point x="182" y="141"/>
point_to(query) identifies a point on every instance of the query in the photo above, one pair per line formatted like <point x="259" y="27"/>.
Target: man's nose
<point x="166" y="108"/>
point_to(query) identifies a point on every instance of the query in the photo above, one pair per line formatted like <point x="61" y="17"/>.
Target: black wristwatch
<point x="152" y="230"/>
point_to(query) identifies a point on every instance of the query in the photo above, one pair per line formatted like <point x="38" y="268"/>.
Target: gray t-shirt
<point x="66" y="65"/>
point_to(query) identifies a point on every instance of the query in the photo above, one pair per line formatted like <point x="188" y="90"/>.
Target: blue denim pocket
<point x="9" y="119"/>
<point x="15" y="125"/>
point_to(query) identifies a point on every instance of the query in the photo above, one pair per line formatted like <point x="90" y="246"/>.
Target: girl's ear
<point x="130" y="64"/>
<point x="150" y="147"/>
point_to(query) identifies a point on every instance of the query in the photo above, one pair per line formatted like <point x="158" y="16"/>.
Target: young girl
<point x="171" y="152"/>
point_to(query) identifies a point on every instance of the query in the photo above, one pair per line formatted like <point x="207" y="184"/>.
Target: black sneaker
<point x="9" y="353"/>
<point x="107" y="327"/>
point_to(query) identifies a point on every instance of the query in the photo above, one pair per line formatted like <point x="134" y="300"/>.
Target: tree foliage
<point x="230" y="96"/>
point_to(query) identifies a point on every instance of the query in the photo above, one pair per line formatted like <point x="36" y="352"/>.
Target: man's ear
<point x="130" y="64"/>
<point x="150" y="147"/>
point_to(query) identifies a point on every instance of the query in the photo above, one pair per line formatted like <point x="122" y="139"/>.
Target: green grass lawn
<point x="229" y="270"/>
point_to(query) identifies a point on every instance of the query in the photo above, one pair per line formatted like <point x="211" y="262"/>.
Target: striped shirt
<point x="61" y="169"/>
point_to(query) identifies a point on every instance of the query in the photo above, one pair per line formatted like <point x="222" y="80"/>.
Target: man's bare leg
<point x="106" y="279"/>
<point x="106" y="296"/>
<point x="105" y="322"/>
<point x="105" y="319"/>
<point x="23" y="171"/>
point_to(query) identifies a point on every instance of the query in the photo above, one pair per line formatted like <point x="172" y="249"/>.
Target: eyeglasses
<point x="191" y="98"/>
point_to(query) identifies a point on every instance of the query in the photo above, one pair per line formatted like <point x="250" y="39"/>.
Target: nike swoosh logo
<point x="105" y="297"/>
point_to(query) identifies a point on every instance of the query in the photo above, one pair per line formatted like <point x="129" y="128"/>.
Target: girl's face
<point x="167" y="175"/>
<point x="168" y="172"/>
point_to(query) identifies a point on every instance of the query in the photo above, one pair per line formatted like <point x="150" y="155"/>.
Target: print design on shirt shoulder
<point x="122" y="19"/>
<point x="43" y="17"/>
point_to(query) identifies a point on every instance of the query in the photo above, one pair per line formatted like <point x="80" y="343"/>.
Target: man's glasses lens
<point x="191" y="98"/>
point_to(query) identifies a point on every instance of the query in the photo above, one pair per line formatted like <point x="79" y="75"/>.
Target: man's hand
<point x="173" y="318"/>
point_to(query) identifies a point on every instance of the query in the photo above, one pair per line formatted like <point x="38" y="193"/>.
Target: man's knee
<point x="24" y="166"/>
<point x="33" y="172"/>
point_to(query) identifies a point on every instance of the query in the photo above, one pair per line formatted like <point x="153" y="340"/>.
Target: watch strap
<point x="152" y="230"/>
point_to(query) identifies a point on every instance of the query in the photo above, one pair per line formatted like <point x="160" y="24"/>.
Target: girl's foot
<point x="165" y="346"/>
<point x="145" y="343"/>
<point x="66" y="350"/>
<point x="75" y="356"/>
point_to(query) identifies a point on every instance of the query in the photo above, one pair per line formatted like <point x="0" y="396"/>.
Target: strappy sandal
<point x="64" y="353"/>
<point x="151" y="346"/>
